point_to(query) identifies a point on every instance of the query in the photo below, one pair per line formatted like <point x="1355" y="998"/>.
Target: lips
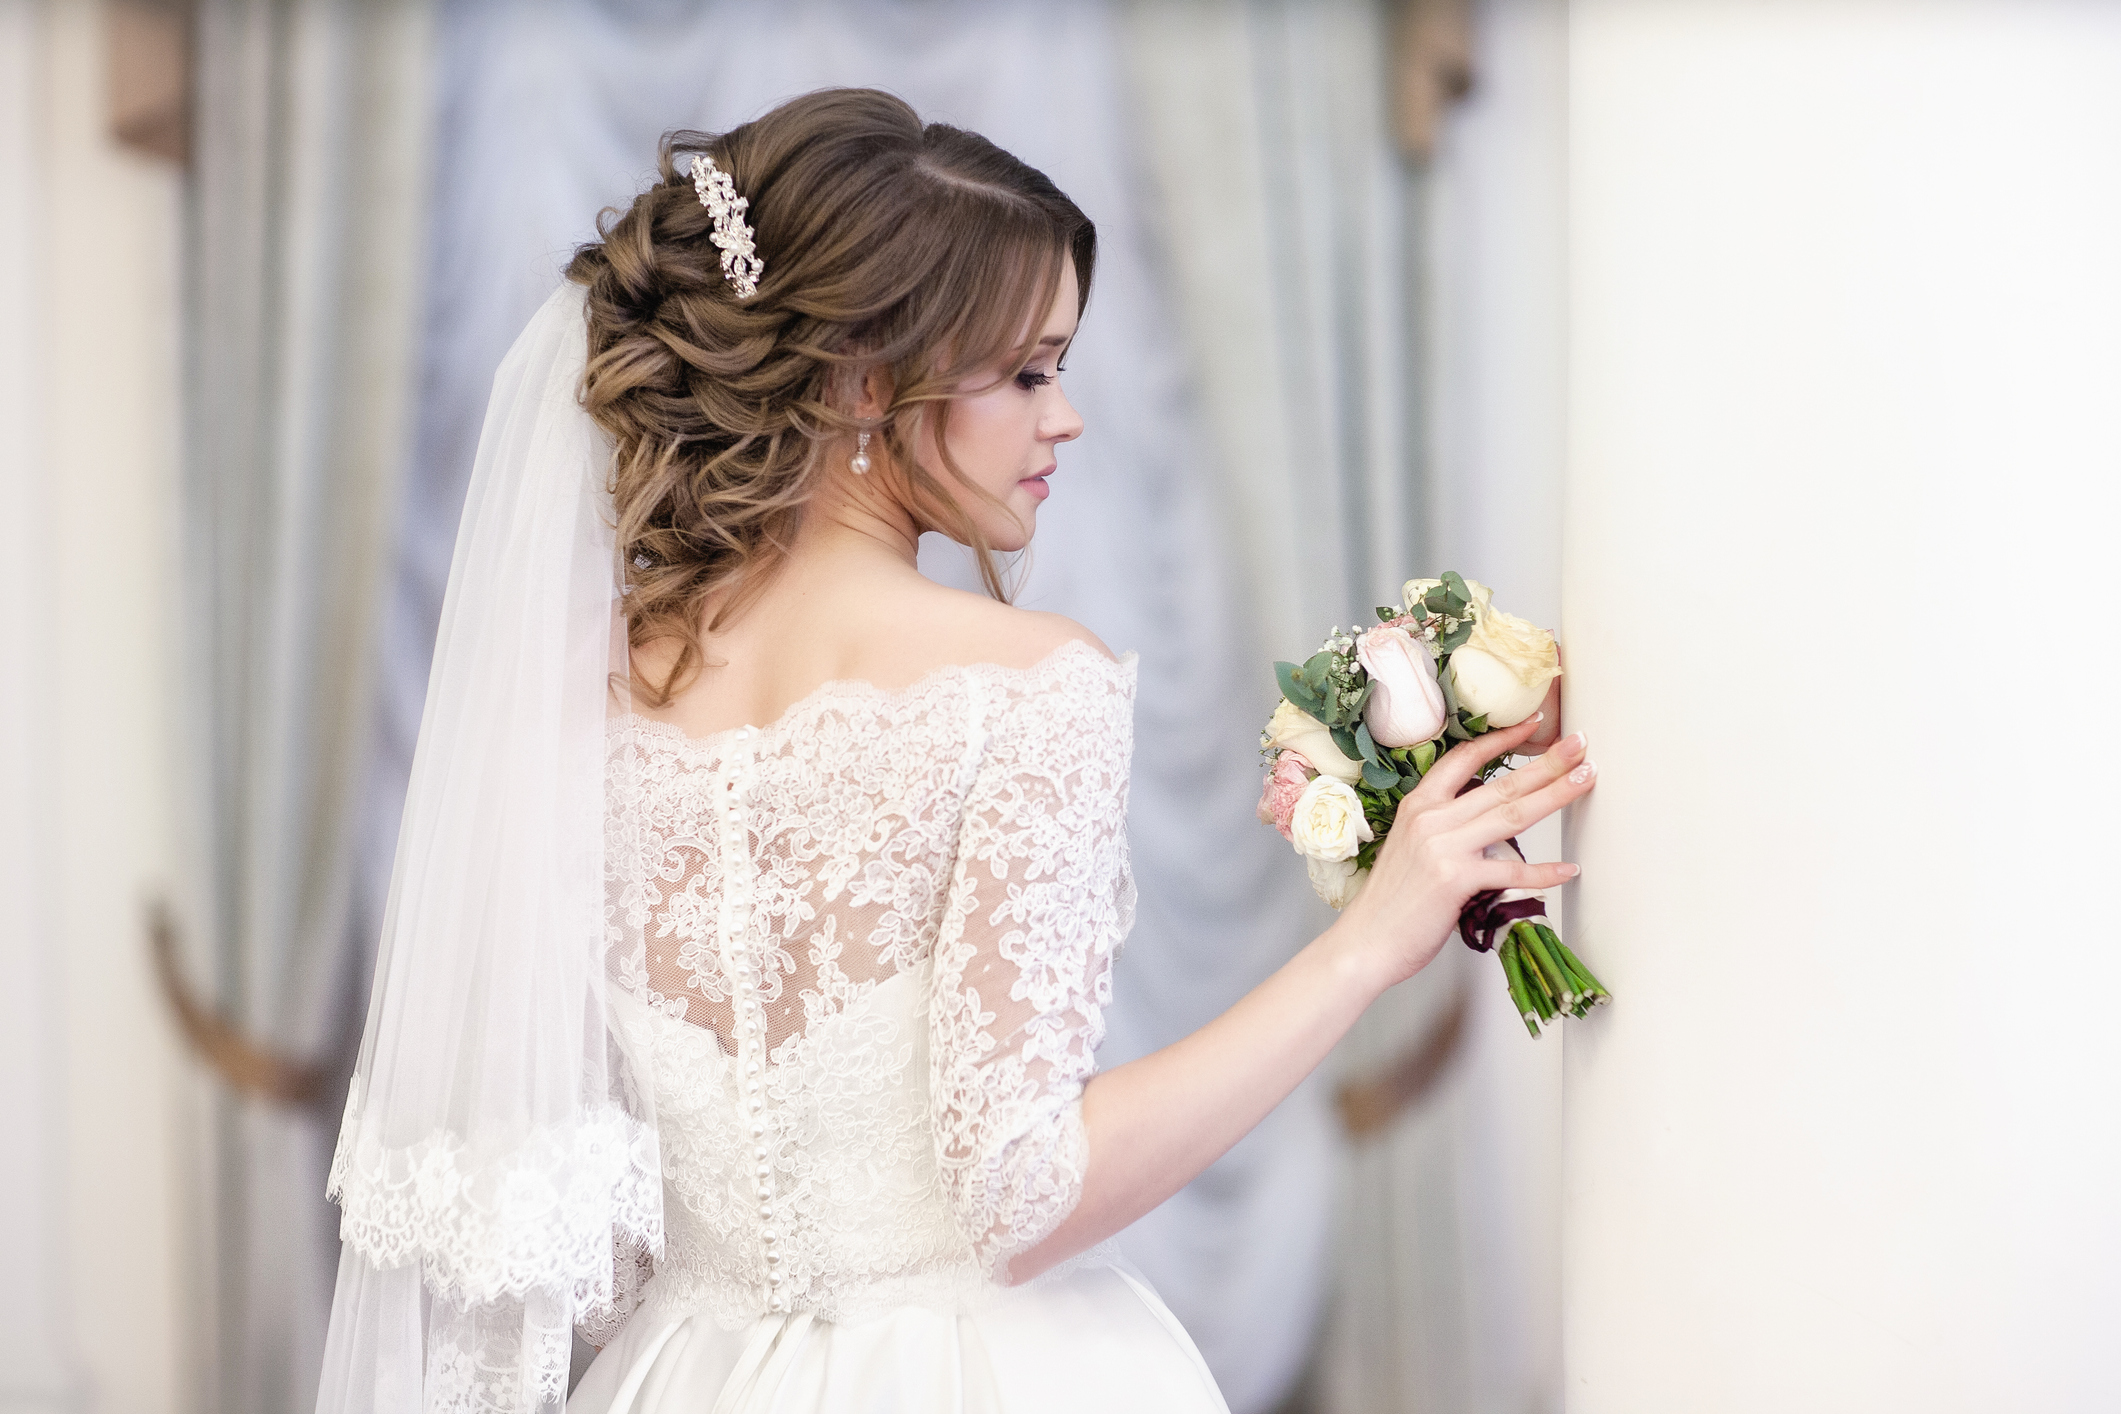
<point x="1036" y="485"/>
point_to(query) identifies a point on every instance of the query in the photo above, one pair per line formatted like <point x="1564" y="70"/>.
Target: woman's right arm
<point x="1155" y="1123"/>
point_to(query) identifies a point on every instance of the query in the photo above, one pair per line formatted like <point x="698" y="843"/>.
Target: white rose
<point x="1414" y="589"/>
<point x="1406" y="706"/>
<point x="1337" y="881"/>
<point x="1328" y="823"/>
<point x="1504" y="669"/>
<point x="1294" y="729"/>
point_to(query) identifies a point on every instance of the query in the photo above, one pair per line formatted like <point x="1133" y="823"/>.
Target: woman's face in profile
<point x="1004" y="433"/>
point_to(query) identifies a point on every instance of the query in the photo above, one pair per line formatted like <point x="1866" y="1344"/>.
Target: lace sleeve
<point x="1040" y="898"/>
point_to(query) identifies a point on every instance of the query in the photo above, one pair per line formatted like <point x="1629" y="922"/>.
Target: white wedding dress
<point x="861" y="958"/>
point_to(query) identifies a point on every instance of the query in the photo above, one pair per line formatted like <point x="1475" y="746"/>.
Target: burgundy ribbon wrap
<point x="1489" y="913"/>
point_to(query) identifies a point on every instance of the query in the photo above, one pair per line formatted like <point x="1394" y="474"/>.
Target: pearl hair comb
<point x="741" y="265"/>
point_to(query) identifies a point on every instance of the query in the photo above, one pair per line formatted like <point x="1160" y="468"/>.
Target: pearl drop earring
<point x="861" y="455"/>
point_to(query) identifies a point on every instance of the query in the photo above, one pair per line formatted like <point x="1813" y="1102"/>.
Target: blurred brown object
<point x="245" y="1065"/>
<point x="1432" y="67"/>
<point x="1369" y="1105"/>
<point x="149" y="75"/>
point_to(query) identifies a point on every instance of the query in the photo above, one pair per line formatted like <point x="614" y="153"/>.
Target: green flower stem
<point x="1595" y="987"/>
<point x="1512" y="975"/>
<point x="1536" y="984"/>
<point x="1556" y="981"/>
<point x="1570" y="968"/>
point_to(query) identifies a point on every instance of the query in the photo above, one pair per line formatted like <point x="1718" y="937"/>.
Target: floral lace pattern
<point x="539" y="1218"/>
<point x="862" y="957"/>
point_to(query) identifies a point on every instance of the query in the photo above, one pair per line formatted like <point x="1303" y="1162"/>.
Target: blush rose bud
<point x="1280" y="791"/>
<point x="1503" y="671"/>
<point x="1406" y="705"/>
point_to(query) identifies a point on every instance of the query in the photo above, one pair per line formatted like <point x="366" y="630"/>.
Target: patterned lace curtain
<point x="306" y="216"/>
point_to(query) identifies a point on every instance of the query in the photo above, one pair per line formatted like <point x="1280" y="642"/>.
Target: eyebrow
<point x="1054" y="339"/>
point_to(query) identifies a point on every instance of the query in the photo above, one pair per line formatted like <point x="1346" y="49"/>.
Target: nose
<point x="1063" y="423"/>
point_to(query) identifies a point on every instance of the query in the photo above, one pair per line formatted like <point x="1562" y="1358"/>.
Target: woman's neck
<point x="854" y="521"/>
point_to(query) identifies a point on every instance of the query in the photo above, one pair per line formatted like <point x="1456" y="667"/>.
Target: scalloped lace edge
<point x="540" y="1217"/>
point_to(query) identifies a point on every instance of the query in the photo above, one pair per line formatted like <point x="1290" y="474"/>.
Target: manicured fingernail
<point x="1570" y="871"/>
<point x="1584" y="772"/>
<point x="1538" y="717"/>
<point x="1577" y="741"/>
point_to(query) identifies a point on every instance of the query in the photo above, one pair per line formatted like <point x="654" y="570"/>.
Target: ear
<point x="875" y="393"/>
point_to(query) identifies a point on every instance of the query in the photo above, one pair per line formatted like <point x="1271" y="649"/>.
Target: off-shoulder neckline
<point x="834" y="689"/>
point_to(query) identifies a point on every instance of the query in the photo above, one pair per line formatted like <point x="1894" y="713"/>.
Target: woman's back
<point x="876" y="931"/>
<point x="861" y="955"/>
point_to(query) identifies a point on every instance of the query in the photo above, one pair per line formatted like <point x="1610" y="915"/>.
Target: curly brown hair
<point x="919" y="252"/>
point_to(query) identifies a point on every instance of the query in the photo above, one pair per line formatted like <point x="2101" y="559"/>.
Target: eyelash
<point x="1031" y="379"/>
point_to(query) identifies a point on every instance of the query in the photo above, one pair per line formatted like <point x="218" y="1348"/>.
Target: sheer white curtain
<point x="308" y="189"/>
<point x="40" y="1366"/>
<point x="1496" y="249"/>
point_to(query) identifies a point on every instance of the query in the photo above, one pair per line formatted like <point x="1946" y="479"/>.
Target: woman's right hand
<point x="1433" y="859"/>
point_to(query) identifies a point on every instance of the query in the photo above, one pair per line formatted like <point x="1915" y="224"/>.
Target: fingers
<point x="1550" y="729"/>
<point x="1513" y="817"/>
<point x="1514" y="785"/>
<point x="1515" y="874"/>
<point x="1463" y="761"/>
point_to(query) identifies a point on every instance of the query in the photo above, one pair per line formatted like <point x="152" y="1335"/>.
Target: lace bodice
<point x="861" y="958"/>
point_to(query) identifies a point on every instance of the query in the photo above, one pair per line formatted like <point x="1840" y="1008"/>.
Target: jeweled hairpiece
<point x="741" y="265"/>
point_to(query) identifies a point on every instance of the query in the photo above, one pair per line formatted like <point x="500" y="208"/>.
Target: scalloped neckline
<point x="861" y="688"/>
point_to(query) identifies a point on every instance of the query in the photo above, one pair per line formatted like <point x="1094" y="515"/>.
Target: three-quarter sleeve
<point x="1039" y="900"/>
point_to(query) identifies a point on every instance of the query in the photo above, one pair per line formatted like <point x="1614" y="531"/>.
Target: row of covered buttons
<point x="750" y="1014"/>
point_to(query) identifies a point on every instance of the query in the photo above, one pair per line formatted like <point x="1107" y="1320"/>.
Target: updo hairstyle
<point x="925" y="253"/>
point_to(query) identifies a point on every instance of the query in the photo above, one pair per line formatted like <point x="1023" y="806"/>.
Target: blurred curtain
<point x="40" y="1366"/>
<point x="305" y="221"/>
<point x="1305" y="264"/>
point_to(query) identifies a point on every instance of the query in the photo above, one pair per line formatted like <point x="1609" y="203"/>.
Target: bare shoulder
<point x="971" y="628"/>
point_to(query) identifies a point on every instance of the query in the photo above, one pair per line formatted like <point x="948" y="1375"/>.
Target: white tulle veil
<point x="496" y="1146"/>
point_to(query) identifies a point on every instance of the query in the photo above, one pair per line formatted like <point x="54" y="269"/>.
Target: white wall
<point x="1840" y="532"/>
<point x="89" y="491"/>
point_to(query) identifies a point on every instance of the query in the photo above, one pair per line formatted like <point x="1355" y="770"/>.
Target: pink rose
<point x="1406" y="705"/>
<point x="1277" y="798"/>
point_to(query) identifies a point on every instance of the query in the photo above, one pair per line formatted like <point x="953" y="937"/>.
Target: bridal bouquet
<point x="1362" y="721"/>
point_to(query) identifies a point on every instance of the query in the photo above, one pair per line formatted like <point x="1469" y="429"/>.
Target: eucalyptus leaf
<point x="1365" y="743"/>
<point x="1388" y="612"/>
<point x="1319" y="666"/>
<point x="1297" y="690"/>
<point x="1456" y="731"/>
<point x="1379" y="777"/>
<point x="1456" y="638"/>
<point x="1450" y="698"/>
<point x="1345" y="740"/>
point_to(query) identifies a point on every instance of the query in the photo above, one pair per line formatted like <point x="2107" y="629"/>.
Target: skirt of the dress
<point x="1097" y="1338"/>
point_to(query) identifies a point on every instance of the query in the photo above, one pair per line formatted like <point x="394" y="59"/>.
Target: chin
<point x="1013" y="535"/>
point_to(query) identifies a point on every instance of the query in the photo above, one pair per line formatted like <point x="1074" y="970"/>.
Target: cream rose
<point x="1406" y="705"/>
<point x="1503" y="670"/>
<point x="1337" y="881"/>
<point x="1294" y="729"/>
<point x="1328" y="823"/>
<point x="1412" y="592"/>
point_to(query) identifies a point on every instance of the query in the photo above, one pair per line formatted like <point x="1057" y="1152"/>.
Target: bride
<point x="756" y="898"/>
